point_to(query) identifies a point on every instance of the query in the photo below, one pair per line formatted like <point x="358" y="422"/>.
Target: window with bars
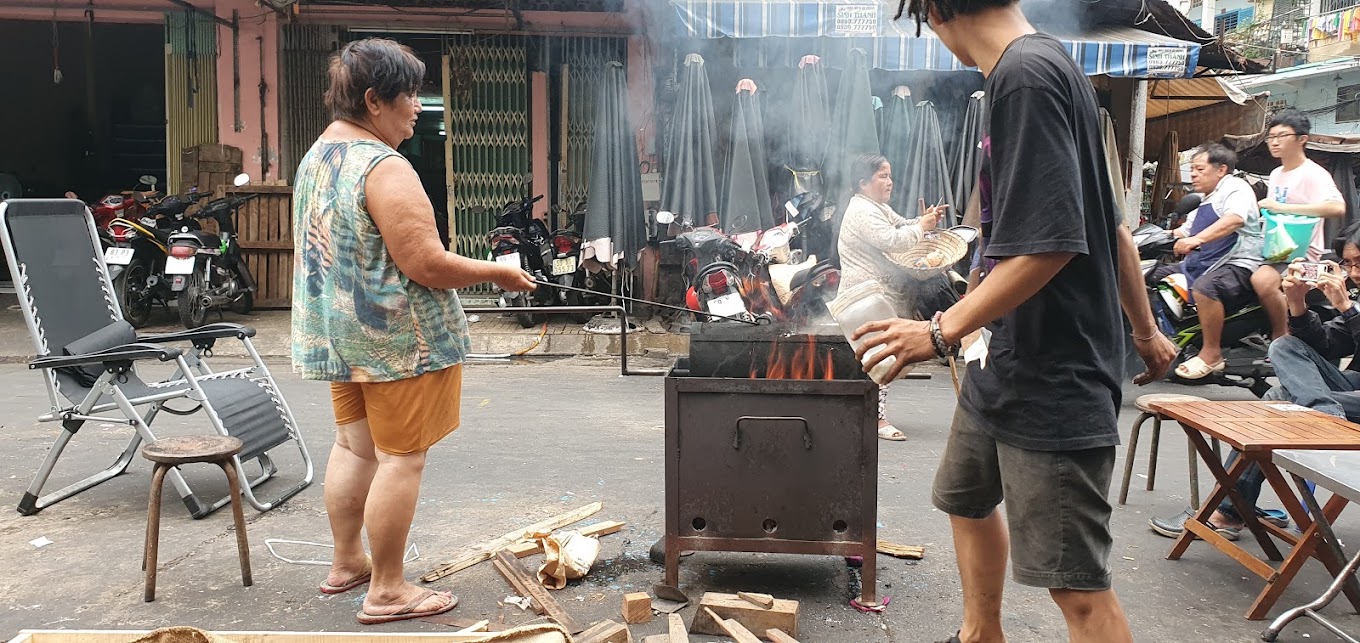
<point x="1348" y="104"/>
<point x="1328" y="6"/>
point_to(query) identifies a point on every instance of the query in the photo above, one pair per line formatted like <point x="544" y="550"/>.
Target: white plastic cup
<point x="856" y="306"/>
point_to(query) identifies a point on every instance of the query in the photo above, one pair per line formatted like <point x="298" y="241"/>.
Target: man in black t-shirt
<point x="1036" y="426"/>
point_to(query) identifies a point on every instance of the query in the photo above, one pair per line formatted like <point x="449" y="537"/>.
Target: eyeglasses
<point x="1276" y="137"/>
<point x="1347" y="264"/>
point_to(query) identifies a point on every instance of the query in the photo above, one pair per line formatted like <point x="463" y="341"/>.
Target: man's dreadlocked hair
<point x="920" y="9"/>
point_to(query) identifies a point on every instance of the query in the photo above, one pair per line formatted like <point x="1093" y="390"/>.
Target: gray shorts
<point x="1057" y="505"/>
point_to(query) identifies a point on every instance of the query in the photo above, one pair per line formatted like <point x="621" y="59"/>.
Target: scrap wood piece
<point x="656" y="638"/>
<point x="527" y="583"/>
<point x="479" y="626"/>
<point x="784" y="615"/>
<point x="911" y="552"/>
<point x="474" y="554"/>
<point x="530" y="547"/>
<point x="676" y="630"/>
<point x="605" y="632"/>
<point x="732" y="628"/>
<point x="777" y="635"/>
<point x="763" y="600"/>
<point x="637" y="608"/>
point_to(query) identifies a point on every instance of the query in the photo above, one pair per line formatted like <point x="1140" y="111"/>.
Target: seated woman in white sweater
<point x="870" y="230"/>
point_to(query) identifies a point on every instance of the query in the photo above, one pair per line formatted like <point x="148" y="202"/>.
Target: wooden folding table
<point x="1256" y="430"/>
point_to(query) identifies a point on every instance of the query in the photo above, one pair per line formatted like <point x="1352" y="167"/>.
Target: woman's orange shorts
<point x="405" y="416"/>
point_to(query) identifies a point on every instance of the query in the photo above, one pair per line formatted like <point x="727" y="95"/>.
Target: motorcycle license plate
<point x="512" y="259"/>
<point x="118" y="256"/>
<point x="729" y="305"/>
<point x="179" y="265"/>
<point x="564" y="266"/>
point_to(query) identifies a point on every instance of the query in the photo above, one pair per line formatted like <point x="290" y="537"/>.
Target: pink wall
<point x="538" y="145"/>
<point x="255" y="23"/>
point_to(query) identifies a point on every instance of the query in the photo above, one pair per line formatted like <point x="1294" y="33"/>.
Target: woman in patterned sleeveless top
<point x="376" y="314"/>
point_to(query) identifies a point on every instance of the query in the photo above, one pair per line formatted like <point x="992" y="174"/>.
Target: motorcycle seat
<point x="787" y="278"/>
<point x="203" y="237"/>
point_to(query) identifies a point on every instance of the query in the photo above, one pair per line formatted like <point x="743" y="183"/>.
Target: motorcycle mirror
<point x="791" y="208"/>
<point x="148" y="179"/>
<point x="241" y="179"/>
<point x="479" y="209"/>
<point x="1188" y="203"/>
<point x="665" y="218"/>
<point x="527" y="179"/>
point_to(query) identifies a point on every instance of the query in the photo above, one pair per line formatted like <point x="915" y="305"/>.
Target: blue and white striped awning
<point x="774" y="33"/>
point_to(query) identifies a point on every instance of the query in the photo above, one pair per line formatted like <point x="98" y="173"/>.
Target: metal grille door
<point x="303" y="63"/>
<point x="190" y="92"/>
<point x="487" y="121"/>
<point x="583" y="62"/>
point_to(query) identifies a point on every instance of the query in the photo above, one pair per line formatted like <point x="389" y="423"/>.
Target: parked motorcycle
<point x="521" y="240"/>
<point x="136" y="260"/>
<point x="715" y="282"/>
<point x="129" y="204"/>
<point x="567" y="269"/>
<point x="206" y="270"/>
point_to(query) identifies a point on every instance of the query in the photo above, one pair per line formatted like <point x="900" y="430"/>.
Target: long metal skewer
<point x="644" y="301"/>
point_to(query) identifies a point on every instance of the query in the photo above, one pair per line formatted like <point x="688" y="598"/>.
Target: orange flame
<point x="802" y="364"/>
<point x="761" y="296"/>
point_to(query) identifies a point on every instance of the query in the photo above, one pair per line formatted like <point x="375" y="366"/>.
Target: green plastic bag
<point x="1287" y="236"/>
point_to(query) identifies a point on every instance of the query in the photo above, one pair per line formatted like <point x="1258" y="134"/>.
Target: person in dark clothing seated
<point x="1303" y="362"/>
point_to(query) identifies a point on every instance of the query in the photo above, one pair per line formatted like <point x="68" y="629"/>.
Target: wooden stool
<point x="1144" y="403"/>
<point x="170" y="452"/>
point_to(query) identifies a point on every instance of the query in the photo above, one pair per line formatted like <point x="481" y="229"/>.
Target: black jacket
<point x="1334" y="340"/>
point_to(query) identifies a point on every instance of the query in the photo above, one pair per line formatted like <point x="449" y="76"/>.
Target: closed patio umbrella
<point x="690" y="188"/>
<point x="897" y="126"/>
<point x="746" y="185"/>
<point x="967" y="160"/>
<point x="854" y="132"/>
<point x="927" y="174"/>
<point x="614" y="227"/>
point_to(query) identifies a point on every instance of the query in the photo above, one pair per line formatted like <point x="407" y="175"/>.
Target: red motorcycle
<point x="131" y="204"/>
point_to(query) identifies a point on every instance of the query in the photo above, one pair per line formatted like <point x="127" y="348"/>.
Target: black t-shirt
<point x="1051" y="377"/>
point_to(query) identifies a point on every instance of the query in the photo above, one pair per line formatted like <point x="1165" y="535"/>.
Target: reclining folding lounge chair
<point x="88" y="356"/>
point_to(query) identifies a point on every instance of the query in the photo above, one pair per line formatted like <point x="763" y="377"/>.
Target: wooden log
<point x="484" y="551"/>
<point x="911" y="552"/>
<point x="525" y="548"/>
<point x="637" y="608"/>
<point x="676" y="630"/>
<point x="783" y="615"/>
<point x="732" y="628"/>
<point x="762" y="600"/>
<point x="777" y="635"/>
<point x="510" y="567"/>
<point x="605" y="632"/>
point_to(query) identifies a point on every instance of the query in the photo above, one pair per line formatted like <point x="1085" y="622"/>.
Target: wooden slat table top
<point x="1264" y="426"/>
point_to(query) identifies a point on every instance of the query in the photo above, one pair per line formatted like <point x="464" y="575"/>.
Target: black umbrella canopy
<point x="927" y="177"/>
<point x="614" y="227"/>
<point x="897" y="126"/>
<point x="853" y="129"/>
<point x="967" y="159"/>
<point x="746" y="186"/>
<point x="690" y="190"/>
<point x="811" y="113"/>
<point x="853" y="134"/>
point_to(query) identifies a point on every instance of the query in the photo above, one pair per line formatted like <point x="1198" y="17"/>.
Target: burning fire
<point x="761" y="296"/>
<point x="802" y="364"/>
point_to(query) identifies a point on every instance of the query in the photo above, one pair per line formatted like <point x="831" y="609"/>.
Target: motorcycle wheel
<point x="244" y="304"/>
<point x="525" y="320"/>
<point x="192" y="312"/>
<point x="577" y="299"/>
<point x="133" y="296"/>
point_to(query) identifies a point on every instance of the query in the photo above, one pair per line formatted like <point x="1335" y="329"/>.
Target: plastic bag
<point x="1287" y="236"/>
<point x="567" y="555"/>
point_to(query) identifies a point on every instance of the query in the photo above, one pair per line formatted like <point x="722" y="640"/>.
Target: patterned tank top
<point x="356" y="317"/>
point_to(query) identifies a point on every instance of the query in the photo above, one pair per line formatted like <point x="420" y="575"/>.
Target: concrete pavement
<point x="544" y="437"/>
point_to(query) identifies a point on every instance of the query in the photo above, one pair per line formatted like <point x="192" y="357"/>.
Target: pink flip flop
<point x="348" y="585"/>
<point x="408" y="612"/>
